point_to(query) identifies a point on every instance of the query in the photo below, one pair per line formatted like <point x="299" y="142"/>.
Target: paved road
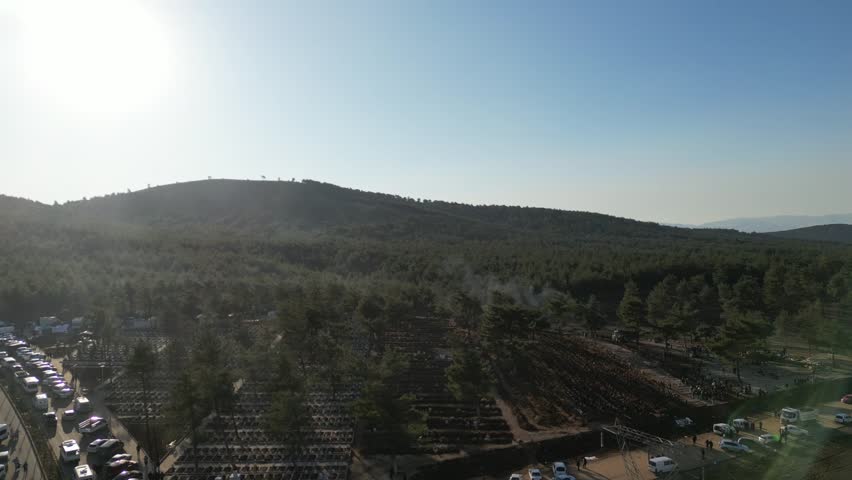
<point x="64" y="430"/>
<point x="22" y="448"/>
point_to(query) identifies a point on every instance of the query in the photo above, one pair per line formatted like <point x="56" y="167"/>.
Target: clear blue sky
<point x="678" y="111"/>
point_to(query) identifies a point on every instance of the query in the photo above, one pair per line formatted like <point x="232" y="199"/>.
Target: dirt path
<point x="517" y="432"/>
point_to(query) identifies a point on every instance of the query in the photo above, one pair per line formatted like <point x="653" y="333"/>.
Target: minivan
<point x="30" y="384"/>
<point x="69" y="451"/>
<point x="661" y="464"/>
<point x="723" y="429"/>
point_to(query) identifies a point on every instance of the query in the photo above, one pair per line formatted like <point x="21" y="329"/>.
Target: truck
<point x="798" y="415"/>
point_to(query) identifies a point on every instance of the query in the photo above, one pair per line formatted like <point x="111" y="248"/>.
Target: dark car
<point x="49" y="417"/>
<point x="110" y="447"/>
<point x="114" y="468"/>
<point x="119" y="457"/>
<point x="127" y="475"/>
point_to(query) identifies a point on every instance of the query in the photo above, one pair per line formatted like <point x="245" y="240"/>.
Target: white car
<point x="842" y="418"/>
<point x="560" y="471"/>
<point x="69" y="451"/>
<point x="723" y="429"/>
<point x="92" y="425"/>
<point x="767" y="439"/>
<point x="732" y="446"/>
<point x="515" y="476"/>
<point x="795" y="431"/>
<point x="535" y="474"/>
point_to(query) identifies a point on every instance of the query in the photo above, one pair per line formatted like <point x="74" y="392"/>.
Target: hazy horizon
<point x="657" y="111"/>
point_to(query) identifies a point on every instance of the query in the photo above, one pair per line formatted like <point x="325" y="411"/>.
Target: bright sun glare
<point x="95" y="56"/>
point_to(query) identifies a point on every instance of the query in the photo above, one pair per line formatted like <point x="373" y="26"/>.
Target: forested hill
<point x="232" y="246"/>
<point x="840" y="233"/>
<point x="315" y="206"/>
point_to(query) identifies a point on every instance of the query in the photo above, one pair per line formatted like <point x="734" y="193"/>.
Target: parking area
<point x="65" y="428"/>
<point x="824" y="451"/>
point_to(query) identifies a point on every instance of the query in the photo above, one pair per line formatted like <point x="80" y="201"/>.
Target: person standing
<point x="579" y="465"/>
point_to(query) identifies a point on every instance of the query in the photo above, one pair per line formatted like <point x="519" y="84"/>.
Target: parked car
<point x="795" y="431"/>
<point x="95" y="445"/>
<point x="49" y="417"/>
<point x="58" y="386"/>
<point x="127" y="475"/>
<point x="661" y="464"/>
<point x="842" y="418"/>
<point x="119" y="457"/>
<point x="723" y="429"/>
<point x="69" y="451"/>
<point x="515" y="476"/>
<point x="560" y="471"/>
<point x="114" y="468"/>
<point x="846" y="398"/>
<point x="535" y="474"/>
<point x="111" y="446"/>
<point x="21" y="374"/>
<point x="69" y="414"/>
<point x="51" y="381"/>
<point x="92" y="425"/>
<point x="752" y="444"/>
<point x="768" y="439"/>
<point x="64" y="392"/>
<point x="731" y="446"/>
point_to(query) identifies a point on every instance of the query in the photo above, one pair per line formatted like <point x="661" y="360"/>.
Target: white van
<point x="794" y="415"/>
<point x="9" y="361"/>
<point x="4" y="431"/>
<point x="741" y="423"/>
<point x="40" y="402"/>
<point x="30" y="384"/>
<point x="661" y="464"/>
<point x="84" y="472"/>
<point x="69" y="451"/>
<point x="723" y="429"/>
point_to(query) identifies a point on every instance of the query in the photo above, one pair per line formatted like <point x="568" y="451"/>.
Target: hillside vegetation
<point x="242" y="246"/>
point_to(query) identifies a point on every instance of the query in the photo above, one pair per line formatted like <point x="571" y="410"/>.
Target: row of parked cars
<point x="38" y="372"/>
<point x="560" y="472"/>
<point x="20" y="359"/>
<point x="118" y="466"/>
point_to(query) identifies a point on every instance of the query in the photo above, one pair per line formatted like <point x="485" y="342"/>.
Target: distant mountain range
<point x="841" y="233"/>
<point x="774" y="224"/>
